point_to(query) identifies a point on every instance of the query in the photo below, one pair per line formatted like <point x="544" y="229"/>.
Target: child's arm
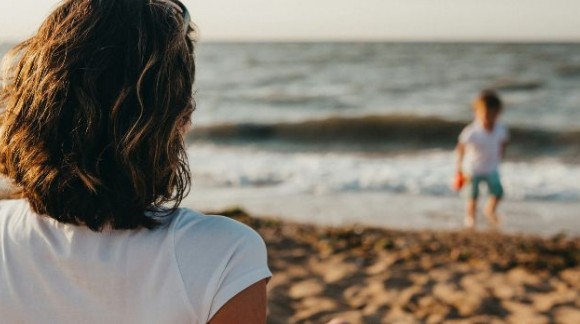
<point x="460" y="153"/>
<point x="459" y="179"/>
<point x="504" y="142"/>
<point x="504" y="145"/>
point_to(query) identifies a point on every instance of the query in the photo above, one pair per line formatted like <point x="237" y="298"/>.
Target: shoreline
<point x="374" y="275"/>
<point x="386" y="210"/>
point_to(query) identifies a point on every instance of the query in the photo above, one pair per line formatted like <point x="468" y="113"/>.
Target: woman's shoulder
<point x="218" y="257"/>
<point x="7" y="203"/>
<point x="188" y="220"/>
<point x="13" y="208"/>
<point x="191" y="227"/>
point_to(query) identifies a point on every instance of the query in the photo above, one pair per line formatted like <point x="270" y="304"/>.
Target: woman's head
<point x="94" y="106"/>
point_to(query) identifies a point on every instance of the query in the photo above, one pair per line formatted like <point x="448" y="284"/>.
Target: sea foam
<point x="428" y="173"/>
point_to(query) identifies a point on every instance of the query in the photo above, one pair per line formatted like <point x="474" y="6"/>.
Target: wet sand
<point x="380" y="209"/>
<point x="372" y="275"/>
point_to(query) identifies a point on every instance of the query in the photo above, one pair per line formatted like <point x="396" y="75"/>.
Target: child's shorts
<point x="491" y="180"/>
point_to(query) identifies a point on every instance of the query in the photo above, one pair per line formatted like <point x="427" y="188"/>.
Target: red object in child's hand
<point x="458" y="181"/>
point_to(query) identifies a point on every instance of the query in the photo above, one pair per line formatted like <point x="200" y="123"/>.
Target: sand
<point x="372" y="275"/>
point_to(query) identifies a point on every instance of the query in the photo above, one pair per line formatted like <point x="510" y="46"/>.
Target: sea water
<point x="312" y="131"/>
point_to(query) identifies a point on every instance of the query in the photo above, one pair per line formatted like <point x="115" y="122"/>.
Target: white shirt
<point x="482" y="147"/>
<point x="181" y="272"/>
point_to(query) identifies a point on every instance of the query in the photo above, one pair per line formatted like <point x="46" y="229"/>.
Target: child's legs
<point x="472" y="195"/>
<point x="496" y="193"/>
<point x="470" y="212"/>
<point x="492" y="203"/>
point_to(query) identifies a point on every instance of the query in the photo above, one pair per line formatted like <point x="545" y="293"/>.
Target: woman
<point x="94" y="109"/>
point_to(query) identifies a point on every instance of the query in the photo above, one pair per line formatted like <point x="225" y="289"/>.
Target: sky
<point x="351" y="20"/>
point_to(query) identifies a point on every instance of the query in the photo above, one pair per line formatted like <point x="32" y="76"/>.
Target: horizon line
<point x="570" y="41"/>
<point x="390" y="40"/>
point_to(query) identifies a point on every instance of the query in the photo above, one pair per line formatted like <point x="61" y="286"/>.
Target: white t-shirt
<point x="181" y="272"/>
<point x="483" y="148"/>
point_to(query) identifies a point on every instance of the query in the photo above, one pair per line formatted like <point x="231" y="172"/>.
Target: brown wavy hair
<point x="94" y="106"/>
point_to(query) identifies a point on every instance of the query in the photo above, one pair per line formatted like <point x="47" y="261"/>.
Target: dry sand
<point x="370" y="275"/>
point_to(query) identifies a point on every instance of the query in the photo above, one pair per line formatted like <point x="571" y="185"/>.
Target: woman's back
<point x="94" y="108"/>
<point x="54" y="272"/>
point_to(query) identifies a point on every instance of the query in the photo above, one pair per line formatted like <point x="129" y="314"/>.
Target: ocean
<point x="338" y="133"/>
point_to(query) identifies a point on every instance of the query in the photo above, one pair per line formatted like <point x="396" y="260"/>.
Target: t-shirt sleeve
<point x="218" y="258"/>
<point x="465" y="135"/>
<point x="246" y="265"/>
<point x="505" y="134"/>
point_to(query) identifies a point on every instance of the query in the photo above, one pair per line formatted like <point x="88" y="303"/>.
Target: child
<point x="479" y="152"/>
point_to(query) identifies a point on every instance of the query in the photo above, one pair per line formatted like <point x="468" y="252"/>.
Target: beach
<point x="342" y="156"/>
<point x="373" y="275"/>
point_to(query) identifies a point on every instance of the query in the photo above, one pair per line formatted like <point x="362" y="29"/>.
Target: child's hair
<point x="93" y="108"/>
<point x="490" y="100"/>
